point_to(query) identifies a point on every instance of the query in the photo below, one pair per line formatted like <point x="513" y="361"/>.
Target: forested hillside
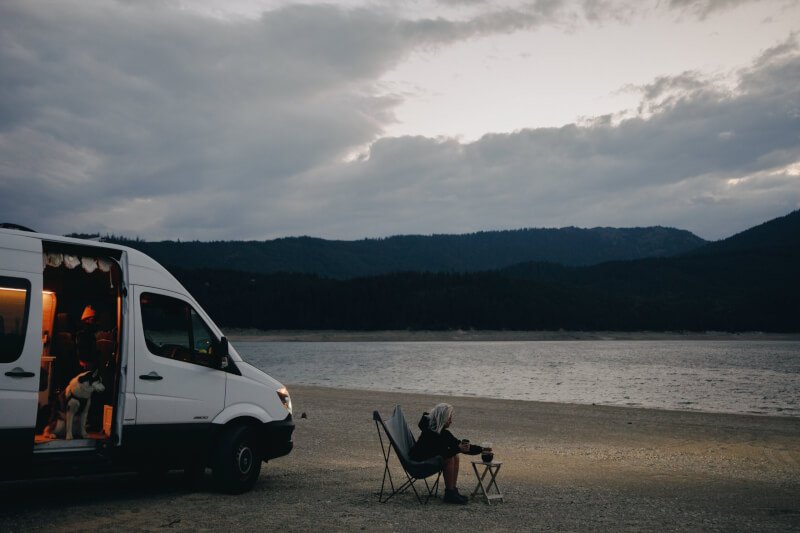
<point x="415" y="253"/>
<point x="740" y="284"/>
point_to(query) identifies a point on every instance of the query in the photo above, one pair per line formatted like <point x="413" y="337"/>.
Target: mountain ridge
<point x="472" y="252"/>
<point x="736" y="285"/>
<point x="782" y="231"/>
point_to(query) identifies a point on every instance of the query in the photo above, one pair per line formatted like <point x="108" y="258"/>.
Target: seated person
<point x="436" y="439"/>
<point x="85" y="340"/>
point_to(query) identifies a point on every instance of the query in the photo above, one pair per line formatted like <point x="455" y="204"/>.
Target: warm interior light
<point x="48" y="318"/>
<point x="12" y="309"/>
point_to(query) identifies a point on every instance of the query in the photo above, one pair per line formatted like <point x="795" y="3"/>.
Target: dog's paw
<point x="69" y="437"/>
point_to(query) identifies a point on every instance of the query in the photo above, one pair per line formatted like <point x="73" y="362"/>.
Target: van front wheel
<point x="237" y="460"/>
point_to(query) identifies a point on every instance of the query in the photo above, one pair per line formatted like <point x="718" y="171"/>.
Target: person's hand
<point x="464" y="447"/>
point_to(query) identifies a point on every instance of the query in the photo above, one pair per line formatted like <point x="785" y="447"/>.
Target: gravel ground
<point x="566" y="468"/>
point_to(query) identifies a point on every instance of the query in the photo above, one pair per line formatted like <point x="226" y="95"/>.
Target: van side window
<point x="173" y="329"/>
<point x="14" y="304"/>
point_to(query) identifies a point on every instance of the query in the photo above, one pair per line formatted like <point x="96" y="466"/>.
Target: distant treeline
<point x="473" y="252"/>
<point x="749" y="282"/>
<point x="723" y="290"/>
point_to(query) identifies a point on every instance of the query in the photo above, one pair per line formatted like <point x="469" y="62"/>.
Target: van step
<point x="70" y="463"/>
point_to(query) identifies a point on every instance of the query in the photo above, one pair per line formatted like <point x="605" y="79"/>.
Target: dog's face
<point x="89" y="382"/>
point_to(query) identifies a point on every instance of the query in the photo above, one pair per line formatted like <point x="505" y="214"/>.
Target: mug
<point x="487" y="455"/>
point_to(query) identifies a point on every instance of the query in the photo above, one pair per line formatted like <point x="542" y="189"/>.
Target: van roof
<point x="142" y="269"/>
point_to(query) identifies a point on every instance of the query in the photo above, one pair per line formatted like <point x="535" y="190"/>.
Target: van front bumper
<point x="276" y="438"/>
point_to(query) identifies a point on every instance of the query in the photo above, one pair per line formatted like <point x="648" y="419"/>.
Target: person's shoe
<point x="452" y="496"/>
<point x="465" y="498"/>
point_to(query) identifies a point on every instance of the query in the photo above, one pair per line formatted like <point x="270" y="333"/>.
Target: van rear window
<point x="15" y="296"/>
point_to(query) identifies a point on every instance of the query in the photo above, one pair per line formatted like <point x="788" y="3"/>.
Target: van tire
<point x="237" y="460"/>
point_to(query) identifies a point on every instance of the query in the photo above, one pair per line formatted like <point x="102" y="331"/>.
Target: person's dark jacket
<point x="431" y="444"/>
<point x="85" y="343"/>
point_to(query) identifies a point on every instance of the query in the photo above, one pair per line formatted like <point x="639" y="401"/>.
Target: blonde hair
<point x="439" y="416"/>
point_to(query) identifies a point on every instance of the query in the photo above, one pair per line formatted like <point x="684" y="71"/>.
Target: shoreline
<point x="565" y="468"/>
<point x="550" y="403"/>
<point x="256" y="335"/>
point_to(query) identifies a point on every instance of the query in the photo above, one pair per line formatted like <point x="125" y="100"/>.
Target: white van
<point x="174" y="393"/>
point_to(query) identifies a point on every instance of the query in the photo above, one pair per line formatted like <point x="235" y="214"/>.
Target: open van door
<point x="20" y="348"/>
<point x="126" y="402"/>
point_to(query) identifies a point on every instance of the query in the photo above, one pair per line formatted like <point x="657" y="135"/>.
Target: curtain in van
<point x="89" y="264"/>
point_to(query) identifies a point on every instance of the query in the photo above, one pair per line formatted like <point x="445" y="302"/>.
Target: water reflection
<point x="760" y="377"/>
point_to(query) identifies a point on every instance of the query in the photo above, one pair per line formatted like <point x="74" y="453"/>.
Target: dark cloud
<point x="603" y="10"/>
<point x="708" y="158"/>
<point x="463" y="2"/>
<point x="143" y="119"/>
<point x="703" y="8"/>
<point x="101" y="102"/>
<point x="665" y="91"/>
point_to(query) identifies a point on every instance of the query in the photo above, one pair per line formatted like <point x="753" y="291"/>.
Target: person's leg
<point x="450" y="472"/>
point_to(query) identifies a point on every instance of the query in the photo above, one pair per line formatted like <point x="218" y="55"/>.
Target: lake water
<point x="754" y="377"/>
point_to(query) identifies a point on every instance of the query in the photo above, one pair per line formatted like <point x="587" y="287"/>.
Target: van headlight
<point x="286" y="400"/>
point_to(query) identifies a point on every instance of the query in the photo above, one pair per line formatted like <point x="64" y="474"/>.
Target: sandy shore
<point x="484" y="335"/>
<point x="566" y="467"/>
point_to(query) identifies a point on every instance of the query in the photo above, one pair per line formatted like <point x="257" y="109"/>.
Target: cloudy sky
<point x="245" y="119"/>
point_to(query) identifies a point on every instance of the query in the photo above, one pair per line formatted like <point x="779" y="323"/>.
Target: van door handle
<point x="19" y="373"/>
<point x="152" y="376"/>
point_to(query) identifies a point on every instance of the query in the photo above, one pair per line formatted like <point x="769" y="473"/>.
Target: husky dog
<point x="74" y="400"/>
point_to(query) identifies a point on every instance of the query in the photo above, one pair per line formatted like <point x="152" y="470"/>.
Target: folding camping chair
<point x="401" y="440"/>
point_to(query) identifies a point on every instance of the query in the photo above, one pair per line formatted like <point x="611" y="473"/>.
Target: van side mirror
<point x="223" y="353"/>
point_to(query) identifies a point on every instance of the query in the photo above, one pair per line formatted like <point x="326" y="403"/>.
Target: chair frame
<point x="386" y="449"/>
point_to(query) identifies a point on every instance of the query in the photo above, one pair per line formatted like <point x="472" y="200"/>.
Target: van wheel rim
<point x="244" y="459"/>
